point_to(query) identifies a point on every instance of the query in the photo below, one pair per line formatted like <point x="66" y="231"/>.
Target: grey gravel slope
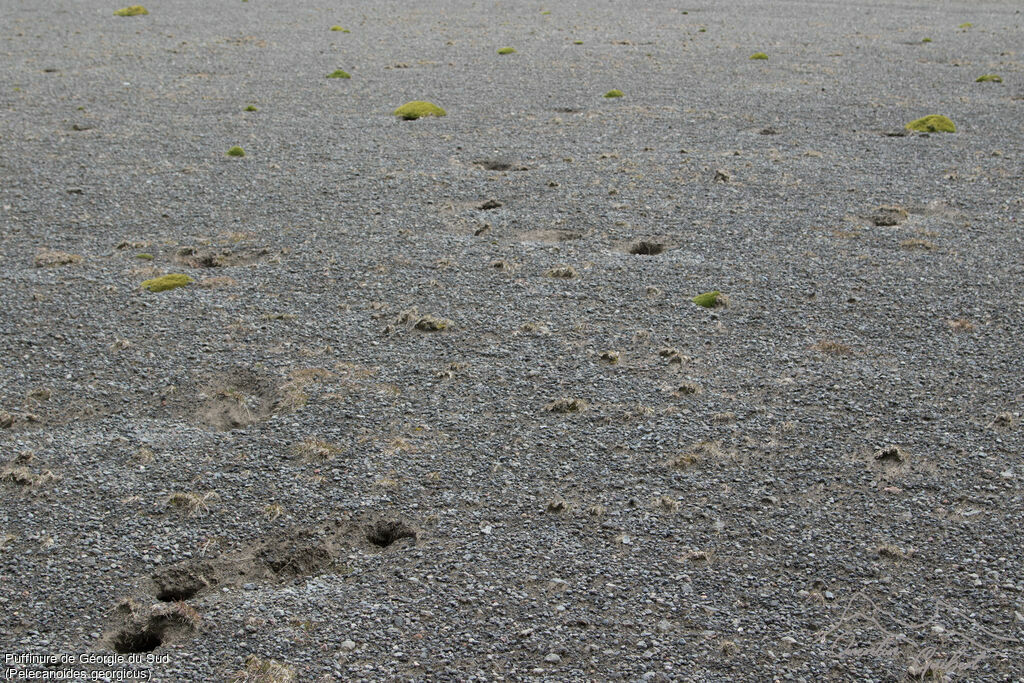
<point x="719" y="510"/>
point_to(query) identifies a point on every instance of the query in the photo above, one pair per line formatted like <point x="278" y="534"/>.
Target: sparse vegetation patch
<point x="713" y="299"/>
<point x="48" y="258"/>
<point x="933" y="123"/>
<point x="410" y="111"/>
<point x="131" y="11"/>
<point x="166" y="282"/>
<point x="567" y="405"/>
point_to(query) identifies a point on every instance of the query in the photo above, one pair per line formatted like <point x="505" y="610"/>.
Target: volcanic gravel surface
<point x="437" y="403"/>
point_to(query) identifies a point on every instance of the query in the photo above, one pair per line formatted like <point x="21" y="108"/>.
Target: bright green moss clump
<point x="133" y="11"/>
<point x="614" y="93"/>
<point x="236" y="151"/>
<point x="162" y="284"/>
<point x="926" y="40"/>
<point x="989" y="78"/>
<point x="707" y="299"/>
<point x="410" y="111"/>
<point x="759" y="55"/>
<point x="144" y="256"/>
<point x="338" y="73"/>
<point x="251" y="107"/>
<point x="966" y="25"/>
<point x="339" y="28"/>
<point x="506" y="50"/>
<point x="933" y="123"/>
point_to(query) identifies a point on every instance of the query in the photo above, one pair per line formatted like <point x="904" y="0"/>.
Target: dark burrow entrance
<point x="645" y="248"/>
<point x="384" y="533"/>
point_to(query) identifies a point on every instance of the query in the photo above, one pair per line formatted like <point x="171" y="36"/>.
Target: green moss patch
<point x="340" y="29"/>
<point x="236" y="151"/>
<point x="709" y="299"/>
<point x="338" y="73"/>
<point x="144" y="256"/>
<point x="410" y="111"/>
<point x="759" y="55"/>
<point x="506" y="50"/>
<point x="577" y="42"/>
<point x="251" y="107"/>
<point x="132" y="11"/>
<point x="926" y="40"/>
<point x="966" y="25"/>
<point x="165" y="282"/>
<point x="989" y="78"/>
<point x="933" y="123"/>
<point x="614" y="93"/>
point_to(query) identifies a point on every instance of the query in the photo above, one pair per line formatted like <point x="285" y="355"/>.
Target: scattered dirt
<point x="499" y="165"/>
<point x="885" y="216"/>
<point x="219" y="257"/>
<point x="139" y="629"/>
<point x="550" y="236"/>
<point x="240" y="398"/>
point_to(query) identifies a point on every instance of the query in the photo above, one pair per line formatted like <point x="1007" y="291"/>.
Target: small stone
<point x="664" y="626"/>
<point x="553" y="658"/>
<point x="829" y="595"/>
<point x="348" y="645"/>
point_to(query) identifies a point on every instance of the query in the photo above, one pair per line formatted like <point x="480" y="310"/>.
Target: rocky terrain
<point x="435" y="400"/>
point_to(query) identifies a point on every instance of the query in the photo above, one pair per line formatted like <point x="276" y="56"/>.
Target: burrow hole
<point x="645" y="248"/>
<point x="384" y="533"/>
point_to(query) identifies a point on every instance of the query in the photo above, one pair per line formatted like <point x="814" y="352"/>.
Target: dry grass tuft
<point x="567" y="405"/>
<point x="316" y="450"/>
<point x="1004" y="420"/>
<point x="218" y="282"/>
<point x="535" y="328"/>
<point x="833" y="348"/>
<point x="917" y="243"/>
<point x="557" y="505"/>
<point x="666" y="504"/>
<point x="429" y="323"/>
<point x="193" y="503"/>
<point x="257" y="670"/>
<point x="22" y="476"/>
<point x="890" y="552"/>
<point x="891" y="455"/>
<point x="562" y="272"/>
<point x="48" y="258"/>
<point x="697" y="453"/>
<point x="960" y="325"/>
<point x="687" y="388"/>
<point x="273" y="511"/>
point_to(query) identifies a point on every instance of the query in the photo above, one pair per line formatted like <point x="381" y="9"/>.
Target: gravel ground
<point x="585" y="477"/>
